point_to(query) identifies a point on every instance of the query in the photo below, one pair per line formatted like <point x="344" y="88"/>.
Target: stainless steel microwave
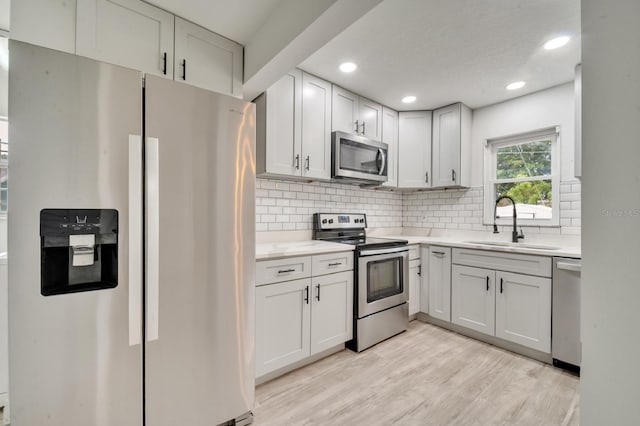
<point x="358" y="159"/>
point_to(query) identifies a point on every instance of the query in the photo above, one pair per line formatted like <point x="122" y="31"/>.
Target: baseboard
<point x="289" y="368"/>
<point x="492" y="340"/>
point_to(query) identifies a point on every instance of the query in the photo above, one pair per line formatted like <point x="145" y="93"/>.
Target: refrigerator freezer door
<point x="199" y="358"/>
<point x="71" y="359"/>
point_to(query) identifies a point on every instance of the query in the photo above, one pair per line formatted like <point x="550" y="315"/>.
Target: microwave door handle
<point x="383" y="161"/>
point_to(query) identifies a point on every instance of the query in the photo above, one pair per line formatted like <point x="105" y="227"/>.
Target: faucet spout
<point x="515" y="236"/>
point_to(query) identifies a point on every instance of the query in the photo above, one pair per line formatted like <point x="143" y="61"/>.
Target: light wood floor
<point x="425" y="376"/>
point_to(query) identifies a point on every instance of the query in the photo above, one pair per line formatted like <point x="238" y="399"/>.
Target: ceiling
<point x="4" y="14"/>
<point x="237" y="20"/>
<point x="449" y="51"/>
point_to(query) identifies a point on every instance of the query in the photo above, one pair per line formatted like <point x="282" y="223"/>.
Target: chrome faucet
<point x="515" y="236"/>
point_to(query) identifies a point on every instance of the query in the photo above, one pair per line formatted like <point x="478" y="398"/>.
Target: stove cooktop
<point x="371" y="242"/>
<point x="349" y="228"/>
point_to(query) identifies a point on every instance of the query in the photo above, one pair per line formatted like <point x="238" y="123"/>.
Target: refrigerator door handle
<point x="135" y="240"/>
<point x="152" y="236"/>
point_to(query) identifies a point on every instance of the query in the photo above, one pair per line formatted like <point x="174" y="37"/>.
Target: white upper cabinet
<point x="370" y="119"/>
<point x="414" y="149"/>
<point x="207" y="60"/>
<point x="390" y="137"/>
<point x="451" y="162"/>
<point x="136" y="35"/>
<point x="130" y="33"/>
<point x="293" y="132"/>
<point x="278" y="128"/>
<point x="316" y="127"/>
<point x="353" y="114"/>
<point x="345" y="111"/>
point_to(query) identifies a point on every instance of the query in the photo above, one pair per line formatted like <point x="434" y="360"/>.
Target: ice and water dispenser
<point x="78" y="250"/>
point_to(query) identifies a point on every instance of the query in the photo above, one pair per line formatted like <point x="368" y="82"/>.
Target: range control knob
<point x="330" y="220"/>
<point x="324" y="220"/>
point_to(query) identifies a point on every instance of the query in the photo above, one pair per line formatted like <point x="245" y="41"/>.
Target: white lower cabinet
<point x="523" y="310"/>
<point x="300" y="318"/>
<point x="439" y="277"/>
<point x="509" y="305"/>
<point x="283" y="317"/>
<point x="473" y="298"/>
<point x="331" y="311"/>
<point x="414" y="286"/>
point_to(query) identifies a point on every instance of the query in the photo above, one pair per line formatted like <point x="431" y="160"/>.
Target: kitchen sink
<point x="519" y="245"/>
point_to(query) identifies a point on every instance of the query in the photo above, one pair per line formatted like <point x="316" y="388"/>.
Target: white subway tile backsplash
<point x="282" y="205"/>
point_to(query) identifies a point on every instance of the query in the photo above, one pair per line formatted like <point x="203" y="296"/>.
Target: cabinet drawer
<point x="414" y="252"/>
<point x="287" y="269"/>
<point x="329" y="263"/>
<point x="501" y="261"/>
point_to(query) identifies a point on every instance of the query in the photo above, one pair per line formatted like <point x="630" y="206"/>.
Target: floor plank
<point x="425" y="376"/>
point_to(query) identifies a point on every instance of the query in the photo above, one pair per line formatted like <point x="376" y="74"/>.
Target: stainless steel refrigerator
<point x="131" y="247"/>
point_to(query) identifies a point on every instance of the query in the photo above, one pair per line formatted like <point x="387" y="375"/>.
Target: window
<point x="524" y="167"/>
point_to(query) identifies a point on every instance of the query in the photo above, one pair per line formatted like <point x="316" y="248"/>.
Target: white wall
<point x="610" y="382"/>
<point x="547" y="108"/>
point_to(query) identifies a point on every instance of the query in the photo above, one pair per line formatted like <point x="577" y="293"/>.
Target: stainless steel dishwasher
<point x="566" y="348"/>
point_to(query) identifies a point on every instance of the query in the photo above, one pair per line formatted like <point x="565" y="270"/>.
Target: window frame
<point x="490" y="180"/>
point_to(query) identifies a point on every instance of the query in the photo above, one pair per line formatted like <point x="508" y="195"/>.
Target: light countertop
<point x="298" y="248"/>
<point x="562" y="249"/>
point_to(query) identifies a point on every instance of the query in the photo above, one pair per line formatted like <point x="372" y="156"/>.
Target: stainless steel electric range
<point x="381" y="277"/>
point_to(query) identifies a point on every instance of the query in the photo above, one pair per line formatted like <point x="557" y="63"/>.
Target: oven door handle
<point x="383" y="251"/>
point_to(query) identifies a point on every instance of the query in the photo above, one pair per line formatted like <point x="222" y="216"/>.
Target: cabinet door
<point x="316" y="127"/>
<point x="473" y="298"/>
<point x="424" y="280"/>
<point x="283" y="148"/>
<point x="446" y="146"/>
<point x="414" y="149"/>
<point x="130" y="33"/>
<point x="414" y="286"/>
<point x="332" y="311"/>
<point x="440" y="282"/>
<point x="344" y="111"/>
<point x="283" y="318"/>
<point x="207" y="60"/>
<point x="523" y="310"/>
<point x="390" y="137"/>
<point x="370" y="119"/>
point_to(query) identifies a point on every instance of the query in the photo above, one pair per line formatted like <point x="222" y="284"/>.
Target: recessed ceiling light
<point x="408" y="99"/>
<point x="557" y="42"/>
<point x="348" y="67"/>
<point x="516" y="85"/>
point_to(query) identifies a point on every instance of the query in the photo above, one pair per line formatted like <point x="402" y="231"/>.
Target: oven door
<point x="358" y="158"/>
<point x="382" y="279"/>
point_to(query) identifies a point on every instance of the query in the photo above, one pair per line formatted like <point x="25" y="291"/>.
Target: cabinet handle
<point x="164" y="63"/>
<point x="298" y="162"/>
<point x="487" y="282"/>
<point x="441" y="253"/>
<point x="419" y="270"/>
<point x="335" y="264"/>
<point x="318" y="296"/>
<point x="184" y="69"/>
<point x="306" y="294"/>
<point x="453" y="175"/>
<point x="284" y="271"/>
<point x="501" y="281"/>
<point x="357" y="127"/>
<point x="427" y="177"/>
<point x="307" y="163"/>
<point x="363" y="128"/>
